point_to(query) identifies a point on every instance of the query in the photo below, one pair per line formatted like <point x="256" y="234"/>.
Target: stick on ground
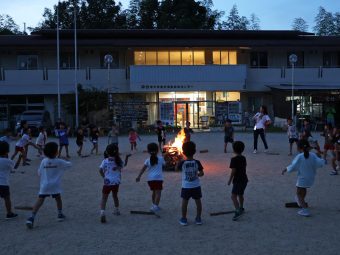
<point x="221" y="213"/>
<point x="22" y="207"/>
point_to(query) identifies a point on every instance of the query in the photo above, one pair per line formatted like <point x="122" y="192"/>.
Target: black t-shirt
<point x="160" y="132"/>
<point x="239" y="162"/>
<point x="80" y="138"/>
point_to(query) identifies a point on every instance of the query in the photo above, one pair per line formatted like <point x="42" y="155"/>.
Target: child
<point x="191" y="171"/>
<point x="328" y="134"/>
<point x="63" y="138"/>
<point x="113" y="135"/>
<point x="20" y="147"/>
<point x="336" y="155"/>
<point x="110" y="169"/>
<point x="154" y="165"/>
<point x="8" y="137"/>
<point x="187" y="131"/>
<point x="6" y="166"/>
<point x="306" y="134"/>
<point x="94" y="139"/>
<point x="133" y="136"/>
<point x="292" y="135"/>
<point x="160" y="130"/>
<point x="228" y="134"/>
<point x="239" y="178"/>
<point x="305" y="164"/>
<point x="80" y="140"/>
<point x="50" y="171"/>
<point x="41" y="140"/>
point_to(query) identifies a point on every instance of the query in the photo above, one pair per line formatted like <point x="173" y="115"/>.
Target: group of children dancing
<point x="52" y="169"/>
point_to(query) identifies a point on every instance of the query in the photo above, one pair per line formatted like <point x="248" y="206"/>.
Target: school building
<point x="174" y="75"/>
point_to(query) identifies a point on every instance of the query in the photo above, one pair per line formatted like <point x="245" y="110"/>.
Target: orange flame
<point x="179" y="140"/>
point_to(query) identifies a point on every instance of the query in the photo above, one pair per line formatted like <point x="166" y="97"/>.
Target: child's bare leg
<point x="184" y="208"/>
<point x="301" y="194"/>
<point x="235" y="201"/>
<point x="225" y="148"/>
<point x="96" y="148"/>
<point x="241" y="200"/>
<point x="115" y="199"/>
<point x="199" y="208"/>
<point x="60" y="150"/>
<point x="153" y="196"/>
<point x="59" y="202"/>
<point x="131" y="145"/>
<point x="37" y="205"/>
<point x="8" y="204"/>
<point x="158" y="194"/>
<point x="66" y="148"/>
<point x="103" y="202"/>
<point x="13" y="156"/>
<point x="325" y="154"/>
<point x="24" y="157"/>
<point x="290" y="148"/>
<point x="18" y="161"/>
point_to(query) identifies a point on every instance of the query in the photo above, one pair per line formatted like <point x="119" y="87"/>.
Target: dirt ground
<point x="266" y="228"/>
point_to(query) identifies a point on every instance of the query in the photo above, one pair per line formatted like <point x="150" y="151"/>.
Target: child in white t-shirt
<point x="305" y="164"/>
<point x="292" y="135"/>
<point x="41" y="140"/>
<point x="50" y="171"/>
<point x="6" y="166"/>
<point x="154" y="165"/>
<point x="191" y="170"/>
<point x="110" y="169"/>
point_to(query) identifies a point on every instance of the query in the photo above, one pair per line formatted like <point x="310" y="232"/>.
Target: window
<point x="224" y="57"/>
<point x="151" y="58"/>
<point x="27" y="62"/>
<point x="187" y="59"/>
<point x="139" y="57"/>
<point x="175" y="58"/>
<point x="163" y="58"/>
<point x="259" y="59"/>
<point x="300" y="59"/>
<point x="115" y="60"/>
<point x="199" y="58"/>
<point x="329" y="59"/>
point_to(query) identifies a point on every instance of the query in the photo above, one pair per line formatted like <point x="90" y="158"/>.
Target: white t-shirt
<point x="190" y="169"/>
<point x="6" y="166"/>
<point x="261" y="120"/>
<point x="306" y="168"/>
<point x="50" y="172"/>
<point x="155" y="172"/>
<point x="24" y="140"/>
<point x="112" y="172"/>
<point x="41" y="139"/>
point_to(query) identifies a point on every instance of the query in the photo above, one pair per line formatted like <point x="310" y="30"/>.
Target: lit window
<point x="216" y="57"/>
<point x="232" y="58"/>
<point x="163" y="58"/>
<point x="175" y="58"/>
<point x="139" y="57"/>
<point x="199" y="58"/>
<point x="187" y="58"/>
<point x="224" y="58"/>
<point x="151" y="58"/>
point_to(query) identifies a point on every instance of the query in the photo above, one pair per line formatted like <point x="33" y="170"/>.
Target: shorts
<point x="239" y="188"/>
<point x="48" y="195"/>
<point x="228" y="139"/>
<point x="63" y="144"/>
<point x="133" y="143"/>
<point x="194" y="193"/>
<point x="79" y="143"/>
<point x="161" y="140"/>
<point x="108" y="188"/>
<point x="94" y="141"/>
<point x="19" y="149"/>
<point x="293" y="140"/>
<point x="329" y="147"/>
<point x="4" y="191"/>
<point x="155" y="185"/>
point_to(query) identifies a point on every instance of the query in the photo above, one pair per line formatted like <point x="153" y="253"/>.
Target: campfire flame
<point x="177" y="144"/>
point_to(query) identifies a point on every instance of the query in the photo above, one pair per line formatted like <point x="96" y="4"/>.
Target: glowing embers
<point x="172" y="153"/>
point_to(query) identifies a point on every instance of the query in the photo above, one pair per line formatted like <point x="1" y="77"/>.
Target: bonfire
<point x="173" y="153"/>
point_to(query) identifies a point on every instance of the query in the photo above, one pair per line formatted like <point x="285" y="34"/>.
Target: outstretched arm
<point x="141" y="173"/>
<point x="127" y="159"/>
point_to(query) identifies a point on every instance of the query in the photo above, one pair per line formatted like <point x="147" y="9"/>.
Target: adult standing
<point x="262" y="120"/>
<point x="160" y="130"/>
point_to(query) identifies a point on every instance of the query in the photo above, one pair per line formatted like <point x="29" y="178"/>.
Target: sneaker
<point x="255" y="151"/>
<point x="116" y="212"/>
<point x="334" y="172"/>
<point x="61" y="217"/>
<point x="183" y="221"/>
<point x="304" y="212"/>
<point x="10" y="216"/>
<point x="30" y="222"/>
<point x="28" y="160"/>
<point x="242" y="210"/>
<point x="237" y="215"/>
<point x="102" y="218"/>
<point x="297" y="201"/>
<point x="198" y="221"/>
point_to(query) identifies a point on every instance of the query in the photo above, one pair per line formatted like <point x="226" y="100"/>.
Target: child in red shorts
<point x="110" y="169"/>
<point x="154" y="165"/>
<point x="329" y="145"/>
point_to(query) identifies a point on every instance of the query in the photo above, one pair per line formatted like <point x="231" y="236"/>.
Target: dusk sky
<point x="277" y="14"/>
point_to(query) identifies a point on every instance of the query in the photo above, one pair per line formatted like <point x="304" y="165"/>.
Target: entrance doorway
<point x="187" y="111"/>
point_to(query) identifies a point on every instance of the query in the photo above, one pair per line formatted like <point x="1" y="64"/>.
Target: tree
<point x="213" y="16"/>
<point x="324" y="22"/>
<point x="254" y="22"/>
<point x="235" y="21"/>
<point x="132" y="14"/>
<point x="299" y="24"/>
<point x="7" y="25"/>
<point x="337" y="23"/>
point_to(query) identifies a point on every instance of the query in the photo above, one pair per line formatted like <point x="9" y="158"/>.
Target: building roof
<point x="172" y="38"/>
<point x="304" y="87"/>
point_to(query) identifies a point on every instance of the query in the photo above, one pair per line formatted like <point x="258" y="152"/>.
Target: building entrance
<point x="187" y="111"/>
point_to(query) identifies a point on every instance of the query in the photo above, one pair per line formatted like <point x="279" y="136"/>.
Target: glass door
<point x="187" y="111"/>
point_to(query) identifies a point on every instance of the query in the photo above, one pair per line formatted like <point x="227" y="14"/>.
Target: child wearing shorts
<point x="328" y="145"/>
<point x="228" y="134"/>
<point x="292" y="135"/>
<point x="94" y="139"/>
<point x="63" y="139"/>
<point x="80" y="140"/>
<point x="305" y="164"/>
<point x="154" y="165"/>
<point x="238" y="177"/>
<point x="133" y="136"/>
<point x="51" y="171"/>
<point x="6" y="167"/>
<point x="110" y="169"/>
<point x="336" y="155"/>
<point x="191" y="170"/>
<point x="41" y="140"/>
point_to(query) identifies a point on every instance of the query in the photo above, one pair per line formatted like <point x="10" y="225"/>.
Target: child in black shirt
<point x="239" y="178"/>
